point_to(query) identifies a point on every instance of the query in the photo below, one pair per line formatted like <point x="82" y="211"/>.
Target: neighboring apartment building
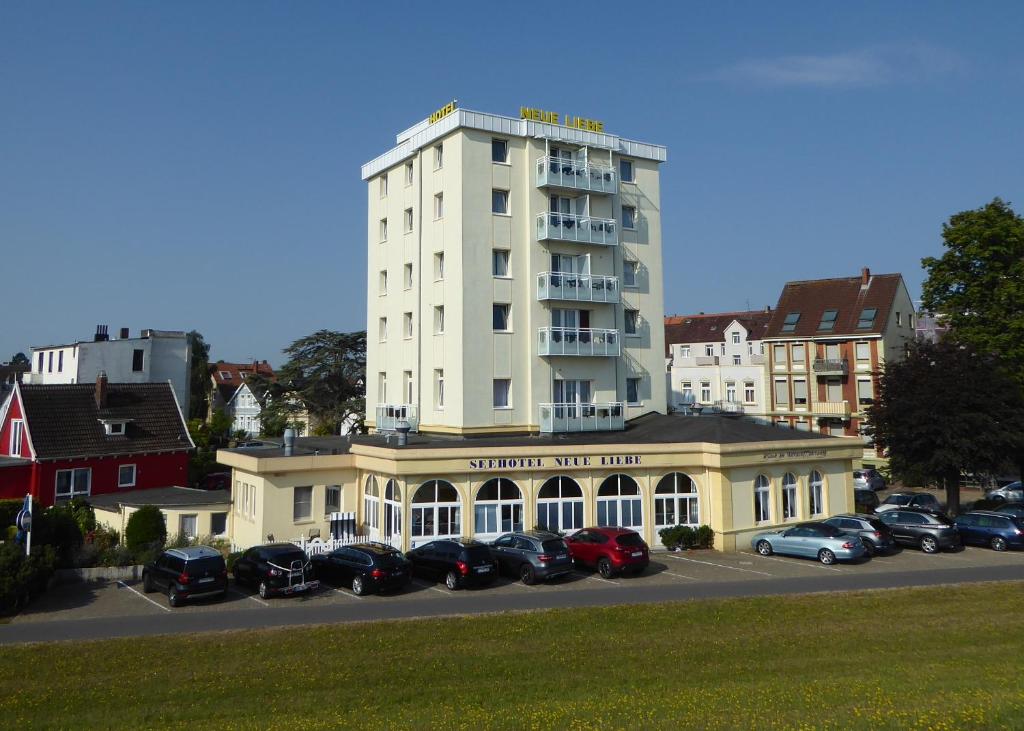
<point x="826" y="343"/>
<point x="717" y="363"/>
<point x="156" y="356"/>
<point x="514" y="276"/>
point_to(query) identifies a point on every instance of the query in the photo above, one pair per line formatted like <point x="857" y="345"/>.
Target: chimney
<point x="865" y="276"/>
<point x="289" y="441"/>
<point x="767" y="308"/>
<point x="101" y="334"/>
<point x="124" y="333"/>
<point x="101" y="390"/>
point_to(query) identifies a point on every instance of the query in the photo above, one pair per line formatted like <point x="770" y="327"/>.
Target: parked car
<point x="815" y="539"/>
<point x="187" y="573"/>
<point x="366" y="567"/>
<point x="1012" y="493"/>
<point x="987" y="528"/>
<point x="610" y="550"/>
<point x="534" y="555"/>
<point x="1016" y="509"/>
<point x="215" y="481"/>
<point x="275" y="569"/>
<point x="923" y="528"/>
<point x="920" y="500"/>
<point x="875" y="534"/>
<point x="868" y="479"/>
<point x="459" y="561"/>
<point x="865" y="501"/>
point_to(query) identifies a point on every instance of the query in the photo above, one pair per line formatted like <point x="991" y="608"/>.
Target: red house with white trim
<point x="64" y="441"/>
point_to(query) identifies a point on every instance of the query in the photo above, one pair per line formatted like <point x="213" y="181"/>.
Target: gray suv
<point x="532" y="555"/>
<point x="875" y="534"/>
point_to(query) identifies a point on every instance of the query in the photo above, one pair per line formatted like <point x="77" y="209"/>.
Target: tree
<point x="21" y="359"/>
<point x="946" y="410"/>
<point x="978" y="284"/>
<point x="325" y="372"/>
<point x="200" y="385"/>
<point x="146" y="528"/>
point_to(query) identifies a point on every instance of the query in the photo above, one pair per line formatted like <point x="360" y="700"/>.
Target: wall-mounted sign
<point x="527" y="463"/>
<point x="444" y="111"/>
<point x="565" y="120"/>
<point x="794" y="454"/>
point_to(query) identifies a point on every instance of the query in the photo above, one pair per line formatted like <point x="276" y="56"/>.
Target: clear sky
<point x="195" y="165"/>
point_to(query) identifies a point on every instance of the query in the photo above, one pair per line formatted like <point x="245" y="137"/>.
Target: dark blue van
<point x="986" y="528"/>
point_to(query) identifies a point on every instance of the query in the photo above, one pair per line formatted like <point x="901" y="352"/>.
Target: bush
<point x="145" y="528"/>
<point x="57" y="527"/>
<point x="83" y="514"/>
<point x="704" y="537"/>
<point x="677" y="536"/>
<point x="22" y="577"/>
<point x="115" y="556"/>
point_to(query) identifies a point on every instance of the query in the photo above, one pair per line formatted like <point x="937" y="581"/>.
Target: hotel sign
<point x="794" y="454"/>
<point x="566" y="120"/>
<point x="528" y="463"/>
<point x="444" y="111"/>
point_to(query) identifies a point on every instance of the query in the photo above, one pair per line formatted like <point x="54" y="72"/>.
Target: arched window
<point x="498" y="507"/>
<point x="619" y="503"/>
<point x="762" y="499"/>
<point x="393" y="511"/>
<point x="371" y="504"/>
<point x="560" y="505"/>
<point x="676" y="501"/>
<point x="436" y="510"/>
<point x="789" y="496"/>
<point x="816" y="493"/>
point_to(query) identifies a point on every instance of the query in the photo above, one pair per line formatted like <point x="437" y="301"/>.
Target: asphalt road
<point x="286" y="612"/>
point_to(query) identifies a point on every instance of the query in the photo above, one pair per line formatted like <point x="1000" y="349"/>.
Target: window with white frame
<point x="407" y="275"/>
<point x="126" y="475"/>
<point x="626" y="171"/>
<point x="749" y="396"/>
<point x="17" y="436"/>
<point x="500" y="313"/>
<point x="188" y="525"/>
<point x="633" y="391"/>
<point x="407" y="386"/>
<point x="408" y="220"/>
<point x="782" y="393"/>
<point x="438" y="156"/>
<point x="382" y="282"/>
<point x="779" y="355"/>
<point x="436" y="510"/>
<point x="382" y="329"/>
<point x="629" y="270"/>
<point x="439" y="205"/>
<point x="686" y="387"/>
<point x="735" y="338"/>
<point x="439" y="319"/>
<point x="862" y="352"/>
<point x="705" y="392"/>
<point x="709" y="350"/>
<point x="502" y="389"/>
<point x="498" y="508"/>
<point x="684" y="351"/>
<point x="730" y="391"/>
<point x="382" y="387"/>
<point x="789" y="496"/>
<point x="499" y="202"/>
<point x="560" y="505"/>
<point x="737" y="360"/>
<point x="302" y="503"/>
<point x="815" y="493"/>
<point x="73" y="483"/>
<point x="632" y="320"/>
<point x="799" y="356"/>
<point x="499" y="262"/>
<point x="676" y="501"/>
<point x="383" y="229"/>
<point x="384" y="185"/>
<point x="407" y="324"/>
<point x="762" y="500"/>
<point x="800" y="392"/>
<point x="438" y="265"/>
<point x="499" y="150"/>
<point x="865" y="391"/>
<point x="371" y="503"/>
<point x="408" y="173"/>
<point x="629" y="217"/>
<point x="439" y="388"/>
<point x="721" y="348"/>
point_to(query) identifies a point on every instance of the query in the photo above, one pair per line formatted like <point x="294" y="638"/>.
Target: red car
<point x="610" y="550"/>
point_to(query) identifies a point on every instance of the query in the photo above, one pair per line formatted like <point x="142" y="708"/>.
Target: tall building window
<point x="384" y="185"/>
<point x="865" y="391"/>
<point x="633" y="390"/>
<point x="502" y="387"/>
<point x="863" y="352"/>
<point x="439" y="387"/>
<point x="499" y="262"/>
<point x="439" y="205"/>
<point x="687" y="388"/>
<point x="439" y="319"/>
<point x="438" y="156"/>
<point x="49" y="362"/>
<point x="17" y="434"/>
<point x="408" y="220"/>
<point x="332" y="499"/>
<point x="382" y="329"/>
<point x="60" y="361"/>
<point x="632" y="321"/>
<point x="815" y="493"/>
<point x="799" y="356"/>
<point x="799" y="392"/>
<point x="138" y="360"/>
<point x="499" y="150"/>
<point x="730" y="391"/>
<point x="408" y="173"/>
<point x="782" y="393"/>
<point x="748" y="392"/>
<point x="439" y="265"/>
<point x="499" y="201"/>
<point x="407" y="324"/>
<point x="709" y="350"/>
<point x="705" y="392"/>
<point x="789" y="496"/>
<point x="407" y="386"/>
<point x="383" y="229"/>
<point x="779" y="355"/>
<point x="382" y="282"/>
<point x="762" y="501"/>
<point x="629" y="269"/>
<point x="407" y="271"/>
<point x="302" y="503"/>
<point x="382" y="387"/>
<point x="626" y="171"/>
<point x="629" y="217"/>
<point x="500" y="317"/>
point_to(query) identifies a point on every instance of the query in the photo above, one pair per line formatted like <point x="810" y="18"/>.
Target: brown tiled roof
<point x="238" y="372"/>
<point x="63" y="420"/>
<point x="846" y="294"/>
<point x="711" y="328"/>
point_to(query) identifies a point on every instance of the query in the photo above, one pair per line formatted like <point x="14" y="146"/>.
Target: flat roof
<point x="162" y="497"/>
<point x="647" y="429"/>
<point x="423" y="133"/>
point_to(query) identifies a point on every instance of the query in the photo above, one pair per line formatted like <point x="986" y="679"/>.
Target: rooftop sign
<point x="443" y="111"/>
<point x="566" y="120"/>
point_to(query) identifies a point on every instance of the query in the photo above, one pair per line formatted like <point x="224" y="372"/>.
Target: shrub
<point x="22" y="577"/>
<point x="115" y="556"/>
<point x="103" y="538"/>
<point x="145" y="528"/>
<point x="83" y="514"/>
<point x="57" y="527"/>
<point x="704" y="536"/>
<point x="677" y="536"/>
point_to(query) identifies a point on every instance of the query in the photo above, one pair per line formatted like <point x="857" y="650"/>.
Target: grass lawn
<point x="937" y="658"/>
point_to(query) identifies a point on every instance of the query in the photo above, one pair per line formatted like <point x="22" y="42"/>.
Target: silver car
<point x="824" y="542"/>
<point x="1012" y="493"/>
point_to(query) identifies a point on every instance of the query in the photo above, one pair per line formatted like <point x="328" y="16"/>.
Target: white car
<point x="868" y="479"/>
<point x="922" y="500"/>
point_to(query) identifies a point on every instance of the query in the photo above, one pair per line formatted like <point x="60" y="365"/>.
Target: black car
<point x="919" y="527"/>
<point x="366" y="567"/>
<point x="874" y="534"/>
<point x="459" y="561"/>
<point x="277" y="568"/>
<point x="1015" y="509"/>
<point x="187" y="573"/>
<point x="532" y="555"/>
<point x="865" y="501"/>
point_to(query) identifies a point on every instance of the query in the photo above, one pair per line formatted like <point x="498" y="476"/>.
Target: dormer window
<point x="114" y="427"/>
<point x="867" y="318"/>
<point x="225" y="375"/>
<point x="828" y="320"/>
<point x="789" y="324"/>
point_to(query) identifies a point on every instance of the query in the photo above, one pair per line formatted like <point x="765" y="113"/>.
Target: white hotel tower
<point x="514" y="276"/>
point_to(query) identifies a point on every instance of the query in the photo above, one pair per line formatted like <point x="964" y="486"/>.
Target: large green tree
<point x="977" y="285"/>
<point x="20" y="358"/>
<point x="326" y="371"/>
<point x="945" y="410"/>
<point x="200" y="385"/>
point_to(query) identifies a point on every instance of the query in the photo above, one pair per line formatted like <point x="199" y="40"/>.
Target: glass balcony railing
<point x="577" y="287"/>
<point x="831" y="366"/>
<point x="558" y="418"/>
<point x="388" y="416"/>
<point x="578" y="341"/>
<point x="559" y="172"/>
<point x="573" y="227"/>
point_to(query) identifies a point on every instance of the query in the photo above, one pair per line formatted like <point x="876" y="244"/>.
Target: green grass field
<point x="940" y="658"/>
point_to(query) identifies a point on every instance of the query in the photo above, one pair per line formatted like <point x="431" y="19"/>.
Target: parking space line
<point x="242" y="594"/>
<point x="345" y="593"/>
<point x="598" y="578"/>
<point x="680" y="576"/>
<point x="798" y="563"/>
<point x="521" y="584"/>
<point x="423" y="585"/>
<point x="139" y="593"/>
<point x="720" y="565"/>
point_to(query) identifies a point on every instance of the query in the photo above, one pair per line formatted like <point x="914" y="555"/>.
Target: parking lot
<point x="694" y="570"/>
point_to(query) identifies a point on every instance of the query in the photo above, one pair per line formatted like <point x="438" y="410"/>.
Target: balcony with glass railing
<point x="578" y="341"/>
<point x="831" y="366"/>
<point x="578" y="228"/>
<point x="388" y="416"/>
<point x="577" y="287"/>
<point x="571" y="417"/>
<point x="559" y="172"/>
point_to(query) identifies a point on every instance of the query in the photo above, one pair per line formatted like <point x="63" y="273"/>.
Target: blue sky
<point x="196" y="165"/>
